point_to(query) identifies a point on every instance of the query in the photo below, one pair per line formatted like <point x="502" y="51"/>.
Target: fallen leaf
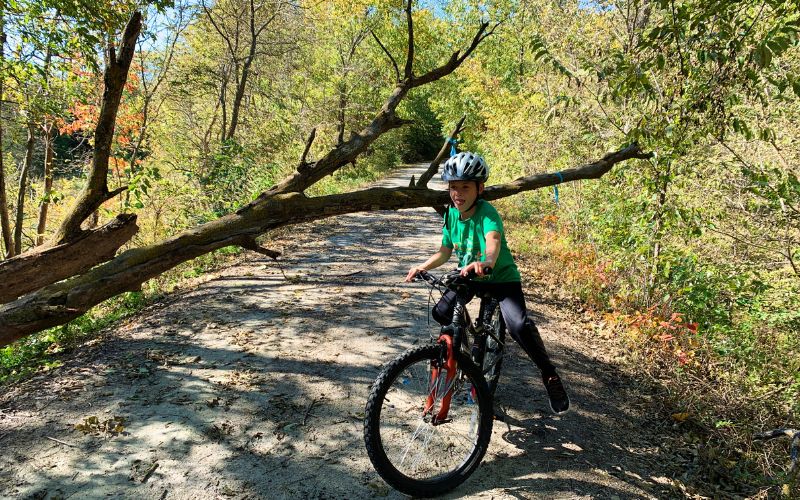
<point x="680" y="417"/>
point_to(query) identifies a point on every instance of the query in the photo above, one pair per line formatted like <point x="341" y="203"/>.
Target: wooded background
<point x="174" y="131"/>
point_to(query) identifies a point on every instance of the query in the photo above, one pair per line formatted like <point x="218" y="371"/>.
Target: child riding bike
<point x="473" y="228"/>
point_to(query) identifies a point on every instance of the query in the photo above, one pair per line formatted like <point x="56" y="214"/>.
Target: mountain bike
<point x="430" y="412"/>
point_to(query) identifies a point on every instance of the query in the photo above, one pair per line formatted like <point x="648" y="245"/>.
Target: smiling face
<point x="464" y="193"/>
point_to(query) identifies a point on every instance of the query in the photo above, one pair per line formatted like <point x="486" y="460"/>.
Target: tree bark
<point x="663" y="183"/>
<point x="223" y="100"/>
<point x="96" y="192"/>
<point x="5" y="221"/>
<point x="62" y="302"/>
<point x="42" y="266"/>
<point x="23" y="188"/>
<point x="341" y="116"/>
<point x="240" y="88"/>
<point x="49" y="137"/>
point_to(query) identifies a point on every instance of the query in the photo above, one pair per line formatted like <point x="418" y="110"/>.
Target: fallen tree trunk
<point x="62" y="302"/>
<point x="284" y="204"/>
<point x="42" y="266"/>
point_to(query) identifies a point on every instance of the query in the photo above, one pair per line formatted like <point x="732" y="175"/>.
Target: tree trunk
<point x="284" y="204"/>
<point x="341" y="116"/>
<point x="23" y="187"/>
<point x="62" y="302"/>
<point x="223" y="98"/>
<point x="658" y="230"/>
<point x="229" y="132"/>
<point x="237" y="99"/>
<point x="5" y="221"/>
<point x="96" y="192"/>
<point x="49" y="137"/>
<point x="42" y="266"/>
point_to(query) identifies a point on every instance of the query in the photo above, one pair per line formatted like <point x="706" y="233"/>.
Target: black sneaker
<point x="559" y="401"/>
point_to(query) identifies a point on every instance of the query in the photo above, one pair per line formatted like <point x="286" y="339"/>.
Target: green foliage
<point x="141" y="180"/>
<point x="702" y="238"/>
<point x="421" y="140"/>
<point x="708" y="228"/>
<point x="43" y="350"/>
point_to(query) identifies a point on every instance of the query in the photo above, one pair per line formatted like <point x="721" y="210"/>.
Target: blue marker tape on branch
<point x="555" y="186"/>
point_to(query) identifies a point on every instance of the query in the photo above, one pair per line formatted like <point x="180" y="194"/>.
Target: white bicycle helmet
<point x="465" y="166"/>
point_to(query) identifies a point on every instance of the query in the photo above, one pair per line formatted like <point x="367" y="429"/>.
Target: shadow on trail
<point x="241" y="417"/>
<point x="596" y="450"/>
<point x="254" y="385"/>
<point x="232" y="389"/>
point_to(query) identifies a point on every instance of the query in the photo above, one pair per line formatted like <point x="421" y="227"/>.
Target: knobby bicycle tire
<point x="410" y="453"/>
<point x="493" y="352"/>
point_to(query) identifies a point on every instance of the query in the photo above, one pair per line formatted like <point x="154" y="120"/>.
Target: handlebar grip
<point x="472" y="274"/>
<point x="421" y="275"/>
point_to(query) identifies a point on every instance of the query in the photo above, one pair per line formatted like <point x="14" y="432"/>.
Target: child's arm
<point x="492" y="253"/>
<point x="436" y="260"/>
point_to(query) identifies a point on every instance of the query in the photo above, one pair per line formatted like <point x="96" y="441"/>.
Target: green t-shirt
<point x="468" y="239"/>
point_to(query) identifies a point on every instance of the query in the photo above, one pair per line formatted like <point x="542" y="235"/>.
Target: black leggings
<point x="519" y="325"/>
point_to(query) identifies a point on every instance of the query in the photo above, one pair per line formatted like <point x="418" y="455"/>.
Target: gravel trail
<point x="253" y="384"/>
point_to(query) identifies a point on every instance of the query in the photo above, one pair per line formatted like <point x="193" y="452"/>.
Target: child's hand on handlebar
<point x="412" y="273"/>
<point x="479" y="268"/>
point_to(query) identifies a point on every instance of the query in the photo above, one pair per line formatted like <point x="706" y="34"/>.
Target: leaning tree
<point x="59" y="281"/>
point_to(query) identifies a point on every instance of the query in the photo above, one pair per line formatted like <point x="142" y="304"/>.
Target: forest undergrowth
<point x="717" y="389"/>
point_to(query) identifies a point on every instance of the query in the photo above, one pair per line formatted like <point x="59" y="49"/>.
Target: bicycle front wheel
<point x="412" y="452"/>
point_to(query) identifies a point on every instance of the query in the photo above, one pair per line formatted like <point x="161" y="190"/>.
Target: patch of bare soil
<point x="253" y="385"/>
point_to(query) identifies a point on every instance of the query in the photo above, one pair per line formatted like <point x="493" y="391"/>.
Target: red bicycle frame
<point x="451" y="366"/>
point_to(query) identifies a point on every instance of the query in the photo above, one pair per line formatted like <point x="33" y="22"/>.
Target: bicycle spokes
<point x="430" y="451"/>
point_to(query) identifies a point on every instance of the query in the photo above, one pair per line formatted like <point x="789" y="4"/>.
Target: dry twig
<point x="61" y="442"/>
<point x="308" y="411"/>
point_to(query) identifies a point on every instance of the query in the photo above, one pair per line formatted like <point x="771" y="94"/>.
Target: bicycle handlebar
<point x="449" y="277"/>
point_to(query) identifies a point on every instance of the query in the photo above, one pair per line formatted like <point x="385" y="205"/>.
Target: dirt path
<point x="253" y="384"/>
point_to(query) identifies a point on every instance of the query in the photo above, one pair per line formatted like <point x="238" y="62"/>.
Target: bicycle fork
<point x="451" y="336"/>
<point x="450" y="366"/>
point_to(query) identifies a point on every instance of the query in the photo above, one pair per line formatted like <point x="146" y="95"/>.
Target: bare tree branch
<point x="309" y="141"/>
<point x="252" y="245"/>
<point x="218" y="29"/>
<point x="115" y="192"/>
<point x="434" y="166"/>
<point x="455" y="59"/>
<point x="386" y="51"/>
<point x="408" y="73"/>
<point x="593" y="170"/>
<point x="56" y="304"/>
